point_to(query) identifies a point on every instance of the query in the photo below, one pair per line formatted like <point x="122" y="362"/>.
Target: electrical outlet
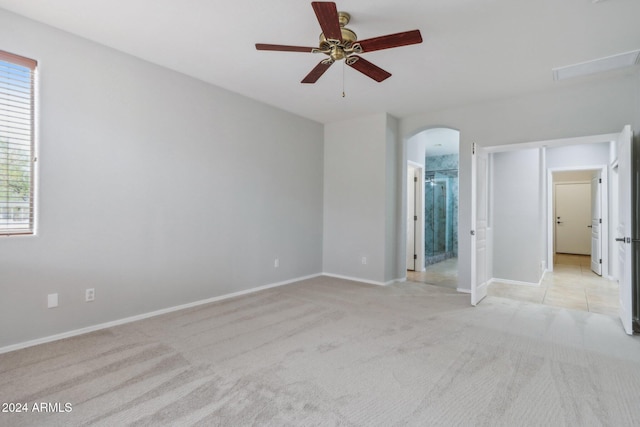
<point x="89" y="295"/>
<point x="52" y="300"/>
<point x="276" y="263"/>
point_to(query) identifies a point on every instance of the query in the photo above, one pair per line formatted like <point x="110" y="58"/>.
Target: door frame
<point x="587" y="200"/>
<point x="552" y="143"/>
<point x="419" y="204"/>
<point x="597" y="196"/>
<point x="604" y="229"/>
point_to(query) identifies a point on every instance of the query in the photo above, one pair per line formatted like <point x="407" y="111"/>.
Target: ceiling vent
<point x="608" y="63"/>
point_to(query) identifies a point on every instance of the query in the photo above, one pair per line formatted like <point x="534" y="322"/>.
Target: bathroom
<point x="432" y="250"/>
<point x="441" y="208"/>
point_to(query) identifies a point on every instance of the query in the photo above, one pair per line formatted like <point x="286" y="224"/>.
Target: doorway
<point x="571" y="283"/>
<point x="578" y="200"/>
<point x="440" y="199"/>
<point x="436" y="151"/>
<point x="572" y="217"/>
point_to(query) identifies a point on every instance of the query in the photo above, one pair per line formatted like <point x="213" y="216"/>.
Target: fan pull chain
<point x="343" y="94"/>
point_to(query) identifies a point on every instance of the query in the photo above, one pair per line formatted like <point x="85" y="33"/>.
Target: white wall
<point x="573" y="156"/>
<point x="154" y="188"/>
<point x="361" y="212"/>
<point x="587" y="107"/>
<point x="416" y="149"/>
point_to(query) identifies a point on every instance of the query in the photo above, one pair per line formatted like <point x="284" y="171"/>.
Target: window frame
<point x="28" y="227"/>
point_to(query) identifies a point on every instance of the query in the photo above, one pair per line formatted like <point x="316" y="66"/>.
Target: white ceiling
<point x="473" y="50"/>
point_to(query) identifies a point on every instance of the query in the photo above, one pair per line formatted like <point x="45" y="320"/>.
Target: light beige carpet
<point x="333" y="352"/>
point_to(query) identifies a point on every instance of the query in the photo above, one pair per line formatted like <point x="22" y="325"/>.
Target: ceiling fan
<point x="338" y="43"/>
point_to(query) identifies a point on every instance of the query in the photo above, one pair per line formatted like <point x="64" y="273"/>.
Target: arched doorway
<point x="432" y="208"/>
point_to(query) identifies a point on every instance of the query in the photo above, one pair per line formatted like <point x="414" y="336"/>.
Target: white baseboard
<point x="358" y="279"/>
<point x="516" y="282"/>
<point x="93" y="328"/>
<point x="507" y="281"/>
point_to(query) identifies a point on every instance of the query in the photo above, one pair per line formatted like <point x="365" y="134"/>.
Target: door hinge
<point x="600" y="220"/>
<point x="473" y="148"/>
<point x="415" y="179"/>
<point x="415" y="217"/>
<point x="599" y="180"/>
<point x="600" y="260"/>
<point x="415" y="256"/>
<point x="473" y="232"/>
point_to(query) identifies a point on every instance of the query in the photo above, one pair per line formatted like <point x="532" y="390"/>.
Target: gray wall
<point x="516" y="215"/>
<point x="154" y="188"/>
<point x="394" y="266"/>
<point x="361" y="203"/>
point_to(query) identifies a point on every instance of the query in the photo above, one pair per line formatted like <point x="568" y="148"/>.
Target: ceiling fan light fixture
<point x="340" y="43"/>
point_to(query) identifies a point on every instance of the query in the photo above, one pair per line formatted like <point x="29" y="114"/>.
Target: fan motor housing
<point x="348" y="38"/>
<point x="337" y="48"/>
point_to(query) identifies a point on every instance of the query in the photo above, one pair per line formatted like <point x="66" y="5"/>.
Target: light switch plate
<point x="52" y="300"/>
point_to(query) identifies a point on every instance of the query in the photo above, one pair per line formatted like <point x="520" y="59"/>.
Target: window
<point x="17" y="156"/>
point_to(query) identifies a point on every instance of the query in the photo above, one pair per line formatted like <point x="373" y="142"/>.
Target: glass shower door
<point x="436" y="233"/>
<point x="440" y="216"/>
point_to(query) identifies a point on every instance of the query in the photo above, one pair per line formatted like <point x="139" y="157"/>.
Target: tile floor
<point x="444" y="273"/>
<point x="572" y="284"/>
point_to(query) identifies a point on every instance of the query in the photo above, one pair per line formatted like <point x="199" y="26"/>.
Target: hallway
<point x="572" y="285"/>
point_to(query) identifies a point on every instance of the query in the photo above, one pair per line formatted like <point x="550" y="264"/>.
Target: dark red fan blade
<point x="283" y="48"/>
<point x="327" y="15"/>
<point x="391" y="40"/>
<point x="316" y="73"/>
<point x="369" y="69"/>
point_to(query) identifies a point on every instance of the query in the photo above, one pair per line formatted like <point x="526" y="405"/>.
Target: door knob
<point x="620" y="239"/>
<point x="558" y="222"/>
<point x="589" y="226"/>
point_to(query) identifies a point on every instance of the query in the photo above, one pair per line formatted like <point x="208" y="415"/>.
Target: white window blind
<point x="17" y="81"/>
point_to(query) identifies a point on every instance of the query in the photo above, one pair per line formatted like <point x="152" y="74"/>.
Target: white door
<point x="479" y="220"/>
<point x="573" y="217"/>
<point x="623" y="160"/>
<point x="411" y="217"/>
<point x="596" y="224"/>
